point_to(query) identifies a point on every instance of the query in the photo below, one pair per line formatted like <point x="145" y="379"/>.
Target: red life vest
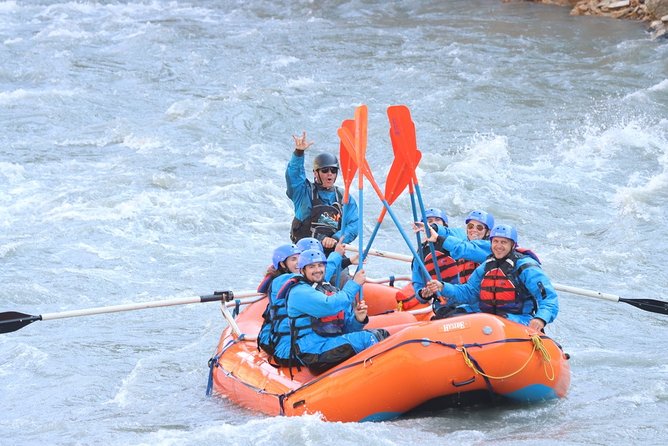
<point x="466" y="268"/>
<point x="406" y="298"/>
<point x="501" y="291"/>
<point x="447" y="266"/>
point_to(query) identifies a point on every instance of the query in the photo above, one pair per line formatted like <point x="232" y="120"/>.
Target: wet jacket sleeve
<point x="298" y="188"/>
<point x="350" y="221"/>
<point x="333" y="266"/>
<point x="304" y="299"/>
<point x="474" y="250"/>
<point x="468" y="293"/>
<point x="418" y="278"/>
<point x="540" y="287"/>
<point x="351" y="323"/>
<point x="452" y="232"/>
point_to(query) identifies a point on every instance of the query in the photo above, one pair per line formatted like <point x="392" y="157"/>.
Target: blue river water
<point x="142" y="154"/>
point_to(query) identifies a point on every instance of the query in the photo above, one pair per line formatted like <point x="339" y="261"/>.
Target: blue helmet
<point x="506" y="231"/>
<point x="309" y="243"/>
<point x="436" y="212"/>
<point x="283" y="252"/>
<point x="311" y="256"/>
<point x="482" y="217"/>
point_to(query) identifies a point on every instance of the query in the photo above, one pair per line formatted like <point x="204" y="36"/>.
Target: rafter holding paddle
<point x="651" y="305"/>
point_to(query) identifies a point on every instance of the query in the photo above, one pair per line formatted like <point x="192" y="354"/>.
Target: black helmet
<point x="325" y="160"/>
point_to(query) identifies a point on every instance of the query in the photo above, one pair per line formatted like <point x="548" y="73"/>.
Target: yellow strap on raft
<point x="537" y="345"/>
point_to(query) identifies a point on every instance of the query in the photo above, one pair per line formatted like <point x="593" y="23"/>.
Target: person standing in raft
<point x="508" y="284"/>
<point x="318" y="204"/>
<point x="326" y="325"/>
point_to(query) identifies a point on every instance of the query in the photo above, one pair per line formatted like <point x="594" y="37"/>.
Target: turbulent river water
<point x="142" y="155"/>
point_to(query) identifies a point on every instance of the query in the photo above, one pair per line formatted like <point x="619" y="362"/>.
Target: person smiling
<point x="459" y="255"/>
<point x="326" y="325"/>
<point x="508" y="284"/>
<point x="474" y="249"/>
<point x="318" y="205"/>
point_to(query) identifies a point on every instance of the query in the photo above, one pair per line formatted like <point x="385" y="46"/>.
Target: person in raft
<point x="283" y="268"/>
<point x="326" y="325"/>
<point x="318" y="205"/>
<point x="447" y="265"/>
<point x="469" y="252"/>
<point x="337" y="261"/>
<point x="507" y="283"/>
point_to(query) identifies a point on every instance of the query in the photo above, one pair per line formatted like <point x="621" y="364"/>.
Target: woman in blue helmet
<point x="326" y="325"/>
<point x="283" y="267"/>
<point x="507" y="283"/>
<point x="471" y="250"/>
<point x="318" y="205"/>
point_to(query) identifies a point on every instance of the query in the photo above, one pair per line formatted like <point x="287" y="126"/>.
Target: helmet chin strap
<point x="316" y="177"/>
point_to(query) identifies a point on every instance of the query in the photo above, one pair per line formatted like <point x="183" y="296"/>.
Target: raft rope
<point x="537" y="346"/>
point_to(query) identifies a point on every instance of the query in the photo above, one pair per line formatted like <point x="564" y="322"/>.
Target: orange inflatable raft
<point x="421" y="362"/>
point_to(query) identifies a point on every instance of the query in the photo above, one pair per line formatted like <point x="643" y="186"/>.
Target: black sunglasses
<point x="329" y="170"/>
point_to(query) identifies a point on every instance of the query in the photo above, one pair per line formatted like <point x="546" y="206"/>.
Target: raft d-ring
<point x="425" y="342"/>
<point x="368" y="362"/>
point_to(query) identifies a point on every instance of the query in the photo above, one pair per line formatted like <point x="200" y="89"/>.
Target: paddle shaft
<point x="143" y="305"/>
<point x="12" y="321"/>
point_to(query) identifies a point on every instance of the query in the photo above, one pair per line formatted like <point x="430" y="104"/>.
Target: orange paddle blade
<point x="399" y="177"/>
<point x="348" y="161"/>
<point x="361" y="122"/>
<point x="402" y="135"/>
<point x="347" y="138"/>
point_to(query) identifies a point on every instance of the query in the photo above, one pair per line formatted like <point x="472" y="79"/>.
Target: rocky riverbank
<point x="652" y="12"/>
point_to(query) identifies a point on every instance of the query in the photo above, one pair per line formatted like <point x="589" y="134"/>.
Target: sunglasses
<point x="479" y="227"/>
<point x="329" y="170"/>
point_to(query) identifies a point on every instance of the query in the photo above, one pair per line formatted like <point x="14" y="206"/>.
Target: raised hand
<point x="300" y="142"/>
